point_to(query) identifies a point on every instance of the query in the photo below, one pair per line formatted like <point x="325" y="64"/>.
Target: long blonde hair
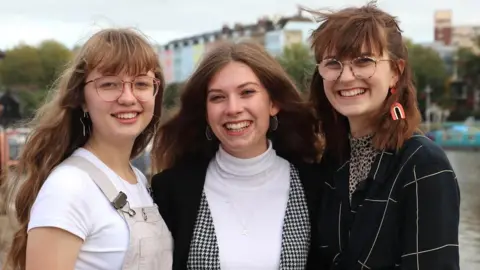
<point x="56" y="128"/>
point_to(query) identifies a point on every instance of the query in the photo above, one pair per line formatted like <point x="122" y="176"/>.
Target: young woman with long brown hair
<point x="80" y="204"/>
<point x="391" y="200"/>
<point x="235" y="188"/>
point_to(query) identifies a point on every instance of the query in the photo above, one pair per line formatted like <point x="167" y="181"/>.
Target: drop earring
<point x="396" y="110"/>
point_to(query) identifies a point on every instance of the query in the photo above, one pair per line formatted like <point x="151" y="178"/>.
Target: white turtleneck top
<point x="248" y="199"/>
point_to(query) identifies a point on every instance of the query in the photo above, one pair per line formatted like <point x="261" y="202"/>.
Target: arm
<point x="60" y="220"/>
<point x="431" y="202"/>
<point x="52" y="248"/>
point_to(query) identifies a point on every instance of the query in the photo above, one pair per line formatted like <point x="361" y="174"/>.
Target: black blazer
<point x="405" y="215"/>
<point x="177" y="192"/>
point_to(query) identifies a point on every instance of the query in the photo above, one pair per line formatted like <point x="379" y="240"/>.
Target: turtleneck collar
<point x="251" y="171"/>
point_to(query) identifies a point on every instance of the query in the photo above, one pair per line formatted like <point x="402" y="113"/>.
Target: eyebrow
<point x="361" y="55"/>
<point x="238" y="87"/>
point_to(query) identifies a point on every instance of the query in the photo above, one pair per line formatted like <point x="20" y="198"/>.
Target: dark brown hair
<point x="347" y="32"/>
<point x="56" y="128"/>
<point x="183" y="136"/>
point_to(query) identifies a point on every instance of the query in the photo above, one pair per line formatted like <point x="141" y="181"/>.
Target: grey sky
<point x="71" y="22"/>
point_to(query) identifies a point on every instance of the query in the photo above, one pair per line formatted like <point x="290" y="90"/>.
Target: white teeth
<point x="126" y="115"/>
<point x="237" y="126"/>
<point x="351" y="93"/>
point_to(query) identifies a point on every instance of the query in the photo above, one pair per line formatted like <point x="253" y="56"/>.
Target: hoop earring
<point x="208" y="133"/>
<point x="273" y="123"/>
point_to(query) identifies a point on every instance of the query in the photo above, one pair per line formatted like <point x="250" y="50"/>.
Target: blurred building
<point x="455" y="35"/>
<point x="179" y="57"/>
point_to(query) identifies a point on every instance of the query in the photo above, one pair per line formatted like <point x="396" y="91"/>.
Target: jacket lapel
<point x="296" y="227"/>
<point x="189" y="198"/>
<point x="362" y="233"/>
<point x="204" y="253"/>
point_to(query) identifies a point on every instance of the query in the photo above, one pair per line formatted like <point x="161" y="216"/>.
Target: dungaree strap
<point x="99" y="177"/>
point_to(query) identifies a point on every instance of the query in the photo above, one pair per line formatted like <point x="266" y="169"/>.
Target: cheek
<point x="211" y="114"/>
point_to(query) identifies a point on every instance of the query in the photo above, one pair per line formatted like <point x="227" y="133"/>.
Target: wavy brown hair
<point x="183" y="136"/>
<point x="56" y="128"/>
<point x="347" y="32"/>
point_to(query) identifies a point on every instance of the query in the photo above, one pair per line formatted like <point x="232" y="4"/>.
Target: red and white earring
<point x="396" y="110"/>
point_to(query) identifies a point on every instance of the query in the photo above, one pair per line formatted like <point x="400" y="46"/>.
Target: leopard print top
<point x="362" y="157"/>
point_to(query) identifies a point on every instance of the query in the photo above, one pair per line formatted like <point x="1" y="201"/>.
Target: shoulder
<point x="66" y="180"/>
<point x="421" y="150"/>
<point x="425" y="162"/>
<point x="181" y="174"/>
<point x="65" y="201"/>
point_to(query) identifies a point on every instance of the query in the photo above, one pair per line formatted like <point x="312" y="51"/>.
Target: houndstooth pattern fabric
<point x="204" y="252"/>
<point x="296" y="227"/>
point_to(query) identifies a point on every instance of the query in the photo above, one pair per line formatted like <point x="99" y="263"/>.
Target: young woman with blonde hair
<point x="80" y="204"/>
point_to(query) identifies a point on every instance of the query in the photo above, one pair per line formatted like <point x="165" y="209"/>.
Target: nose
<point x="347" y="73"/>
<point x="127" y="97"/>
<point x="234" y="106"/>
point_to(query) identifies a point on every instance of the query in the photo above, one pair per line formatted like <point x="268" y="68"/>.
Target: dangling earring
<point x="85" y="115"/>
<point x="208" y="133"/>
<point x="83" y="126"/>
<point x="273" y="123"/>
<point x="396" y="110"/>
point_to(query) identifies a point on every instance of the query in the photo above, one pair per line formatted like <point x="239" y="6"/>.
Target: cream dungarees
<point x="150" y="246"/>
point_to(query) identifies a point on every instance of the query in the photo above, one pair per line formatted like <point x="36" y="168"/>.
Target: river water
<point x="467" y="169"/>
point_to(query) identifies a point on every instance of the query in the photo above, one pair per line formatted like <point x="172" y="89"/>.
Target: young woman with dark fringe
<point x="79" y="202"/>
<point x="391" y="199"/>
<point x="235" y="187"/>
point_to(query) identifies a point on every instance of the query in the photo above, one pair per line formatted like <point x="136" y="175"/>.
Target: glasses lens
<point x="330" y="69"/>
<point x="145" y="88"/>
<point x="109" y="88"/>
<point x="363" y="67"/>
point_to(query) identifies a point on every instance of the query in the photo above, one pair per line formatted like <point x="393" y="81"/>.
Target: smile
<point x="129" y="115"/>
<point x="237" y="126"/>
<point x="352" y="92"/>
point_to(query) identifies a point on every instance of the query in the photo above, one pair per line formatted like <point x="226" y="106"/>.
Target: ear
<point x="400" y="69"/>
<point x="274" y="109"/>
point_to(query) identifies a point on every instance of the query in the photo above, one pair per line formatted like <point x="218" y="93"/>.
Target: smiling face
<point x="123" y="118"/>
<point x="361" y="88"/>
<point x="239" y="110"/>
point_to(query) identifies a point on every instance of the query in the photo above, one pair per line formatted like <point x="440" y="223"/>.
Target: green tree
<point x="298" y="62"/>
<point x="171" y="95"/>
<point x="21" y="67"/>
<point x="54" y="56"/>
<point x="428" y="69"/>
<point x="469" y="66"/>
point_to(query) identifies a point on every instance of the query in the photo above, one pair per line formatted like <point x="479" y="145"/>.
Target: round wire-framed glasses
<point x="364" y="67"/>
<point x="110" y="88"/>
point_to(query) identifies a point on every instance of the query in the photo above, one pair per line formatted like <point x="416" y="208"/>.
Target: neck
<point x="360" y="126"/>
<point x="252" y="152"/>
<point x="242" y="171"/>
<point x="115" y="156"/>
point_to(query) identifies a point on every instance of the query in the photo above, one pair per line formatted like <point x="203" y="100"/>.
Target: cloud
<point x="72" y="21"/>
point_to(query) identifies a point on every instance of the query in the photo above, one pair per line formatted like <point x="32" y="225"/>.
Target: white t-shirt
<point x="69" y="199"/>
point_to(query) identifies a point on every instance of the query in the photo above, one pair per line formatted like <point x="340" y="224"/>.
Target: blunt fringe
<point x="56" y="127"/>
<point x="183" y="136"/>
<point x="347" y="32"/>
